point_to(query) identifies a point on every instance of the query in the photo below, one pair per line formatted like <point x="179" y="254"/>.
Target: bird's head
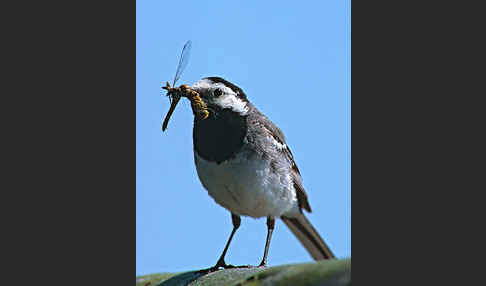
<point x="220" y="94"/>
<point x="209" y="97"/>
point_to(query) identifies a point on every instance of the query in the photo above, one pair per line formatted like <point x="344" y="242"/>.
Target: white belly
<point x="247" y="187"/>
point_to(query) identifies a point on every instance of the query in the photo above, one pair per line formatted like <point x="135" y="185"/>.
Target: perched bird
<point x="243" y="162"/>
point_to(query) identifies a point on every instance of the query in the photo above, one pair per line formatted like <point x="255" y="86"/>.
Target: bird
<point x="244" y="163"/>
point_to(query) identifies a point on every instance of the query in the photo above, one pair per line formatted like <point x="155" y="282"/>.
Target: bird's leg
<point x="221" y="263"/>
<point x="270" y="227"/>
<point x="236" y="224"/>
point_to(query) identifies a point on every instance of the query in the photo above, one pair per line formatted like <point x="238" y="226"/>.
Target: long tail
<point x="308" y="236"/>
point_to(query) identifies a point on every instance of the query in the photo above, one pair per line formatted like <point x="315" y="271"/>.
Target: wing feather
<point x="270" y="130"/>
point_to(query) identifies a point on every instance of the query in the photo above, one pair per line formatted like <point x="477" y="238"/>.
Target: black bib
<point x="218" y="137"/>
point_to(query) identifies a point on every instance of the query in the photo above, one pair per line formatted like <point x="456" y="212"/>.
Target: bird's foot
<point x="263" y="264"/>
<point x="220" y="264"/>
<point x="244" y="266"/>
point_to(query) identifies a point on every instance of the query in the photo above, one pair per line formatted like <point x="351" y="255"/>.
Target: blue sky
<point x="292" y="60"/>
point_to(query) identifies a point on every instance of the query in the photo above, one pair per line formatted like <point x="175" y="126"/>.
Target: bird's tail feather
<point x="308" y="236"/>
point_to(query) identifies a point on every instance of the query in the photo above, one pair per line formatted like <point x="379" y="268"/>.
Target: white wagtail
<point x="243" y="162"/>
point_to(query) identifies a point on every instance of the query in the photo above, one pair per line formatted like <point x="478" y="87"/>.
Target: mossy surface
<point x="335" y="272"/>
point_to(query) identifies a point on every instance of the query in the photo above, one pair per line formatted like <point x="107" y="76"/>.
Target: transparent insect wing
<point x="186" y="52"/>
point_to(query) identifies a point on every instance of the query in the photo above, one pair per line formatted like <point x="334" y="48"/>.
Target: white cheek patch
<point x="231" y="101"/>
<point x="228" y="99"/>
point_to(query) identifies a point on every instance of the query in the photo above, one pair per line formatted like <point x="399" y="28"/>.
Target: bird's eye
<point x="218" y="92"/>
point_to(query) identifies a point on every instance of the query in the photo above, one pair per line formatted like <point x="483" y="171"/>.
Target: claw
<point x="227" y="266"/>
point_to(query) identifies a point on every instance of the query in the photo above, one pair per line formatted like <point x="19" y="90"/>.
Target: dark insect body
<point x="199" y="108"/>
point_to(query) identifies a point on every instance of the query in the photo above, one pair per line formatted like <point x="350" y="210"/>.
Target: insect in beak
<point x="172" y="92"/>
<point x="175" y="97"/>
<point x="199" y="107"/>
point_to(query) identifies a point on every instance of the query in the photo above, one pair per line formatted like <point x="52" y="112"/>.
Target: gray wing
<point x="261" y="127"/>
